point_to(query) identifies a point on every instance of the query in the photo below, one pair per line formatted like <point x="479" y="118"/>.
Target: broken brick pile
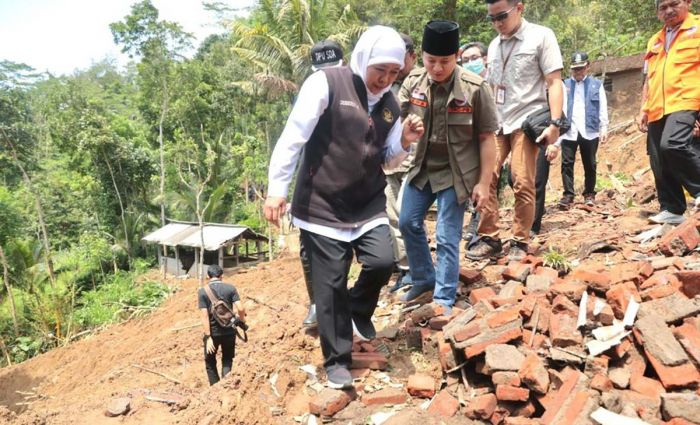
<point x="525" y="354"/>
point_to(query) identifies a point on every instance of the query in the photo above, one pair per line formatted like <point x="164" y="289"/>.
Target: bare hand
<point x="643" y="122"/>
<point x="552" y="152"/>
<point x="275" y="207"/>
<point x="696" y="130"/>
<point x="549" y="135"/>
<point x="603" y="137"/>
<point x="480" y="195"/>
<point x="412" y="130"/>
<point x="210" y="346"/>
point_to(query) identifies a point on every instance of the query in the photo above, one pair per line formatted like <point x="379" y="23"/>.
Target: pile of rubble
<point x="614" y="345"/>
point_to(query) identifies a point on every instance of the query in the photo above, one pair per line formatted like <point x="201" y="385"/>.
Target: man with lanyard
<point x="670" y="108"/>
<point x="524" y="62"/>
<point x="588" y="111"/>
<point x="454" y="159"/>
<point x="216" y="336"/>
<point x="394" y="178"/>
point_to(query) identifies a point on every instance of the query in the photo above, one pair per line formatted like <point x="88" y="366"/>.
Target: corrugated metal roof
<point x="214" y="236"/>
<point x="187" y="234"/>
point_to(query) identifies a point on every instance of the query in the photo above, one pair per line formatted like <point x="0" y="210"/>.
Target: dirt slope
<point x="76" y="383"/>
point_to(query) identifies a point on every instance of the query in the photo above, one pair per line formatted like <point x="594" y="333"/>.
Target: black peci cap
<point x="441" y="38"/>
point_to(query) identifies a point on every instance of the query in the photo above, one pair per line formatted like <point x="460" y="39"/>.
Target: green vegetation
<point x="90" y="162"/>
<point x="556" y="260"/>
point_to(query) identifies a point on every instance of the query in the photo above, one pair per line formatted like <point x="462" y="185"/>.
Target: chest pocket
<point x="460" y="123"/>
<point x="688" y="50"/>
<point x="525" y="63"/>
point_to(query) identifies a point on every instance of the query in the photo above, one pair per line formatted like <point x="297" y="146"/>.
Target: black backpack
<point x="222" y="312"/>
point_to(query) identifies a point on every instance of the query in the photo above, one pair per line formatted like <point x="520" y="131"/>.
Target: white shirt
<point x="311" y="103"/>
<point x="578" y="113"/>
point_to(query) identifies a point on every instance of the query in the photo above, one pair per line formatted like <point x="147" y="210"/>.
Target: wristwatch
<point x="557" y="122"/>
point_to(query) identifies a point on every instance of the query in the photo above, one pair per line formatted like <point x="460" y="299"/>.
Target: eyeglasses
<point x="500" y="16"/>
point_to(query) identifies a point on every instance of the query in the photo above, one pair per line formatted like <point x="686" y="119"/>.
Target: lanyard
<point x="507" y="58"/>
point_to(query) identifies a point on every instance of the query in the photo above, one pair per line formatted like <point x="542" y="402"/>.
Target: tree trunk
<point x="39" y="213"/>
<point x="450" y="7"/>
<point x="121" y="208"/>
<point x="3" y="347"/>
<point x="8" y="287"/>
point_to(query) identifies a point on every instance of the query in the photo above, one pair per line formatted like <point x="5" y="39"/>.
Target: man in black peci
<point x="215" y="335"/>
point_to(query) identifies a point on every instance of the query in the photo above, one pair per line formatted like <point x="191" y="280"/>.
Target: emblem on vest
<point x="349" y="103"/>
<point x="388" y="116"/>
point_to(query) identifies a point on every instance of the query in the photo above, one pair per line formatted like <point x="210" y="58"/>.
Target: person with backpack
<point x="216" y="301"/>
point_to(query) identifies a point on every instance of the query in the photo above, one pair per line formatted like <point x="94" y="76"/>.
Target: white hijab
<point x="379" y="44"/>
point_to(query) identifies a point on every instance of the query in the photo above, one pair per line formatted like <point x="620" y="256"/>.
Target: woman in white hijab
<point x="347" y="123"/>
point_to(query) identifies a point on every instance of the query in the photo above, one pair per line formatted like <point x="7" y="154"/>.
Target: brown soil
<point x="75" y="383"/>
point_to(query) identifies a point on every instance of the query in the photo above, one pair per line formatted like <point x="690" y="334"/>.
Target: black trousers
<point x="589" y="150"/>
<point x="674" y="157"/>
<point x="335" y="305"/>
<point x="228" y="352"/>
<point x="541" y="179"/>
<point x="306" y="267"/>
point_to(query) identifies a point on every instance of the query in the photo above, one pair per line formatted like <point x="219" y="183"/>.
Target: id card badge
<point x="500" y="95"/>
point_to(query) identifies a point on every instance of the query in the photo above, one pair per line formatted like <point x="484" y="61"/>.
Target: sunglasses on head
<point x="499" y="16"/>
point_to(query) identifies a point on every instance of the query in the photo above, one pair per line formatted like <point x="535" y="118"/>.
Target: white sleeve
<point x="603" y="110"/>
<point x="394" y="153"/>
<point x="311" y="103"/>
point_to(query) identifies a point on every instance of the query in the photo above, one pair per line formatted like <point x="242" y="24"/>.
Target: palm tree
<point x="277" y="40"/>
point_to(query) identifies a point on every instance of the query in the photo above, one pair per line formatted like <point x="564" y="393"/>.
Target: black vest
<point x="340" y="182"/>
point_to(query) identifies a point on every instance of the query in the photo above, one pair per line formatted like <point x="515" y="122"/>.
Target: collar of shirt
<point x="518" y="34"/>
<point x="447" y="84"/>
<point x="582" y="80"/>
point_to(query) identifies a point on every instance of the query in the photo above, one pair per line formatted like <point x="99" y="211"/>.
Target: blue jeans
<point x="414" y="206"/>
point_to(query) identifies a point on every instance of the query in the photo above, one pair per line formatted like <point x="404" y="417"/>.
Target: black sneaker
<point x="566" y="201"/>
<point x="485" y="248"/>
<point x="339" y="377"/>
<point x="589" y="199"/>
<point x="517" y="251"/>
<point x="363" y="328"/>
<point x="404" y="279"/>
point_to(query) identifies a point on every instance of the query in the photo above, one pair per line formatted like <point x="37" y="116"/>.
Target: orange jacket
<point x="673" y="77"/>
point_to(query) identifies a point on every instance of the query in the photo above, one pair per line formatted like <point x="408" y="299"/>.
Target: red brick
<point x="554" y="400"/>
<point x="636" y="272"/>
<point x="537" y="343"/>
<point x="597" y="281"/>
<point x="561" y="304"/>
<point x="601" y="383"/>
<point x="499" y="415"/>
<point x="470" y="330"/>
<point x="619" y="296"/>
<point x="479" y="294"/>
<point x="426" y="312"/>
<point x="542" y="312"/>
<point x="527" y="305"/>
<point x="437" y="323"/>
<point x="563" y="332"/>
<point x="502" y="338"/>
<point x="444" y="405"/>
<point x="672" y="377"/>
<point x="621" y="349"/>
<point x="519" y="420"/>
<point x="329" y="402"/>
<point x="481" y="407"/>
<point x="470" y="276"/>
<point x="421" y="386"/>
<point x="448" y="361"/>
<point x="572" y="290"/>
<point x="506" y="378"/>
<point x="534" y="261"/>
<point x="660" y="279"/>
<point x="647" y="386"/>
<point x="689" y="337"/>
<point x="510" y="393"/>
<point x="500" y="318"/>
<point x="547" y="271"/>
<point x="517" y="271"/>
<point x="680" y="240"/>
<point x="658" y="292"/>
<point x="678" y="421"/>
<point x="501" y="302"/>
<point x="374" y="361"/>
<point x="533" y="374"/>
<point x="690" y="282"/>
<point x="384" y="396"/>
<point x="573" y="410"/>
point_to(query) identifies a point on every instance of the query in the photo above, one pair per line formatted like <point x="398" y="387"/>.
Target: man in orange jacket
<point x="671" y="107"/>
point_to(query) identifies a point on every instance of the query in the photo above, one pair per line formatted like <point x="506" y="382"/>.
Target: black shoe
<point x="404" y="279"/>
<point x="363" y="328"/>
<point x="415" y="292"/>
<point x="566" y="201"/>
<point x="339" y="377"/>
<point x="310" y="320"/>
<point x="484" y="248"/>
<point x="517" y="251"/>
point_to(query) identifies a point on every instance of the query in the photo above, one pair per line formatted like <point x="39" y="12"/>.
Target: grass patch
<point x="556" y="260"/>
